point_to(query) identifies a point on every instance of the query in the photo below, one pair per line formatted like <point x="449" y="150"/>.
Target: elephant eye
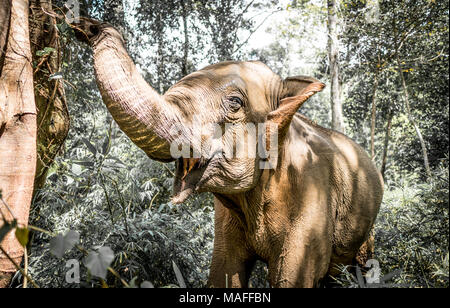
<point x="235" y="103"/>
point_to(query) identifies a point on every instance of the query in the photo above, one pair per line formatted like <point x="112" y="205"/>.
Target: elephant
<point x="315" y="205"/>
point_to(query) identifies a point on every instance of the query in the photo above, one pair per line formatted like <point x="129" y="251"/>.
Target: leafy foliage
<point x="416" y="33"/>
<point x="98" y="261"/>
<point x="62" y="243"/>
<point x="413" y="230"/>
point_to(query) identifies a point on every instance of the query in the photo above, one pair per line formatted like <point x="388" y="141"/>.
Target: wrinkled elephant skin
<point x="313" y="208"/>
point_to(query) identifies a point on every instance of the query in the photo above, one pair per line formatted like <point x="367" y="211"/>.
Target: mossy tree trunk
<point x="53" y="116"/>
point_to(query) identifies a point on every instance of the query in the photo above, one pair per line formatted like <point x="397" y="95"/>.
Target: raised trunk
<point x="17" y="134"/>
<point x="140" y="112"/>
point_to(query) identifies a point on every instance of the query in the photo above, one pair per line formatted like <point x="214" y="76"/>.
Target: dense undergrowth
<point x="412" y="230"/>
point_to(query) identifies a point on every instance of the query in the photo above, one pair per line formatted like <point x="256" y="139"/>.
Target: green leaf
<point x="179" y="276"/>
<point x="22" y="236"/>
<point x="53" y="168"/>
<point x="60" y="244"/>
<point x="76" y="169"/>
<point x="147" y="285"/>
<point x="57" y="75"/>
<point x="45" y="51"/>
<point x="90" y="146"/>
<point x="132" y="283"/>
<point x="117" y="160"/>
<point x="161" y="207"/>
<point x="105" y="146"/>
<point x="84" y="163"/>
<point x="62" y="27"/>
<point x="70" y="179"/>
<point x="98" y="261"/>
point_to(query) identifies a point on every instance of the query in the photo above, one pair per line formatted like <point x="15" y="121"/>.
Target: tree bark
<point x="387" y="137"/>
<point x="333" y="56"/>
<point x="17" y="133"/>
<point x="5" y="13"/>
<point x="373" y="117"/>
<point x="185" y="70"/>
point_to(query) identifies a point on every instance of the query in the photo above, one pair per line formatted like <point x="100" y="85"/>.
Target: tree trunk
<point x="185" y="70"/>
<point x="17" y="133"/>
<point x="53" y="116"/>
<point x="412" y="120"/>
<point x="145" y="116"/>
<point x="333" y="56"/>
<point x="373" y="117"/>
<point x="5" y="12"/>
<point x="386" y="142"/>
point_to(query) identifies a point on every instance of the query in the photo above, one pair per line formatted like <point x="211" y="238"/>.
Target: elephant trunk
<point x="141" y="113"/>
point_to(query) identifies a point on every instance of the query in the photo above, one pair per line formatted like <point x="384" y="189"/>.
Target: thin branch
<point x="167" y="168"/>
<point x="8" y="208"/>
<point x="25" y="260"/>
<point x="24" y="274"/>
<point x="253" y="32"/>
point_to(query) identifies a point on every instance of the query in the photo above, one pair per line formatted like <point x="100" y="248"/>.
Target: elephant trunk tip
<point x="182" y="196"/>
<point x="86" y="28"/>
<point x="178" y="199"/>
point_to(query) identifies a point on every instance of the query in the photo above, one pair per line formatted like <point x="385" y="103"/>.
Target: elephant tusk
<point x="188" y="165"/>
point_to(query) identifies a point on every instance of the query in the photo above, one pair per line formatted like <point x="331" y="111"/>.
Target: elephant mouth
<point x="188" y="177"/>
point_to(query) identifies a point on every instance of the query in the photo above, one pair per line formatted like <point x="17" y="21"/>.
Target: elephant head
<point x="220" y="124"/>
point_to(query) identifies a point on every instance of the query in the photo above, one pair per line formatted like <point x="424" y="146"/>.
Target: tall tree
<point x="387" y="136"/>
<point x="400" y="36"/>
<point x="48" y="125"/>
<point x="337" y="122"/>
<point x="403" y="53"/>
<point x="17" y="134"/>
<point x="5" y="13"/>
<point x="182" y="34"/>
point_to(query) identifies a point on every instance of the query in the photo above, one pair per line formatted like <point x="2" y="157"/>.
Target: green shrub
<point x="412" y="231"/>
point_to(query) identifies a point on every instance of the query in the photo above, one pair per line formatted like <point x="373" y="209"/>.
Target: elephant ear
<point x="294" y="86"/>
<point x="296" y="91"/>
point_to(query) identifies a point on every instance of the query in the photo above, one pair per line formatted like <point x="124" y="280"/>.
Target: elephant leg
<point x="302" y="262"/>
<point x="366" y="250"/>
<point x="232" y="262"/>
<point x="228" y="270"/>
